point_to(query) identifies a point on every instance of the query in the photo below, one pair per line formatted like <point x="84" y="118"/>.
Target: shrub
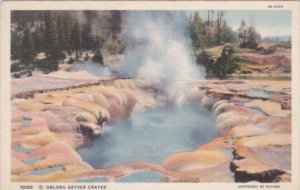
<point x="206" y="60"/>
<point x="16" y="67"/>
<point x="249" y="44"/>
<point x="87" y="57"/>
<point x="225" y="64"/>
<point x="71" y="60"/>
<point x="98" y="57"/>
<point x="47" y="65"/>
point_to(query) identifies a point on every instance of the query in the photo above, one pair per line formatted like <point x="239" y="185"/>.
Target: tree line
<point x="57" y="33"/>
<point x="214" y="31"/>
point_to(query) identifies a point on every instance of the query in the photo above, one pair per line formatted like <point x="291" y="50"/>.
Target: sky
<point x="267" y="23"/>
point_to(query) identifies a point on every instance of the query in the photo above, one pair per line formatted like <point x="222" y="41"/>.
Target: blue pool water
<point x="150" y="136"/>
<point x="94" y="180"/>
<point x="46" y="170"/>
<point x="260" y="94"/>
<point x="142" y="177"/>
<point x="23" y="149"/>
<point x="32" y="161"/>
<point x="257" y="111"/>
<point x="26" y="122"/>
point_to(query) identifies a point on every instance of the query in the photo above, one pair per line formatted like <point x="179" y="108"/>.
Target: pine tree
<point x="38" y="36"/>
<point x="61" y="34"/>
<point x="27" y="48"/>
<point x="248" y="35"/>
<point x="252" y="43"/>
<point x="219" y="25"/>
<point x="15" y="44"/>
<point x="209" y="28"/>
<point x="67" y="27"/>
<point x="243" y="31"/>
<point x="87" y="40"/>
<point x="97" y="43"/>
<point x="227" y="36"/>
<point x="51" y="38"/>
<point x="115" y="24"/>
<point x="197" y="31"/>
<point x="75" y="37"/>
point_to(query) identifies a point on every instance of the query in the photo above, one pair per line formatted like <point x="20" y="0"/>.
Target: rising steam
<point x="159" y="48"/>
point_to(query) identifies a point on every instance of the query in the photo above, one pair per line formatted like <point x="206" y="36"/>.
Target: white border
<point x="5" y="132"/>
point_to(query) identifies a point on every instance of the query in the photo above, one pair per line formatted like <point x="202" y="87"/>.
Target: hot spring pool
<point x="150" y="136"/>
<point x="260" y="94"/>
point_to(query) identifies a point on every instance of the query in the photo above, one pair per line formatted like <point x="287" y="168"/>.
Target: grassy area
<point x="269" y="60"/>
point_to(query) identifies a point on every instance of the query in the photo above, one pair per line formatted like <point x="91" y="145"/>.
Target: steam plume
<point x="159" y="49"/>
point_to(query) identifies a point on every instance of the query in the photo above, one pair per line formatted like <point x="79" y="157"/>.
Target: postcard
<point x="150" y="95"/>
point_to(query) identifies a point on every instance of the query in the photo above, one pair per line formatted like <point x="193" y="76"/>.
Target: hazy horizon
<point x="267" y="23"/>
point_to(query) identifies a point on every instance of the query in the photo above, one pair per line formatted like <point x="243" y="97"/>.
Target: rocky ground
<point x="65" y="64"/>
<point x="254" y="128"/>
<point x="253" y="119"/>
<point x="270" y="59"/>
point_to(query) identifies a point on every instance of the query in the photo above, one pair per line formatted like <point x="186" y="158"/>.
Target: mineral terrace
<point x="49" y="123"/>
